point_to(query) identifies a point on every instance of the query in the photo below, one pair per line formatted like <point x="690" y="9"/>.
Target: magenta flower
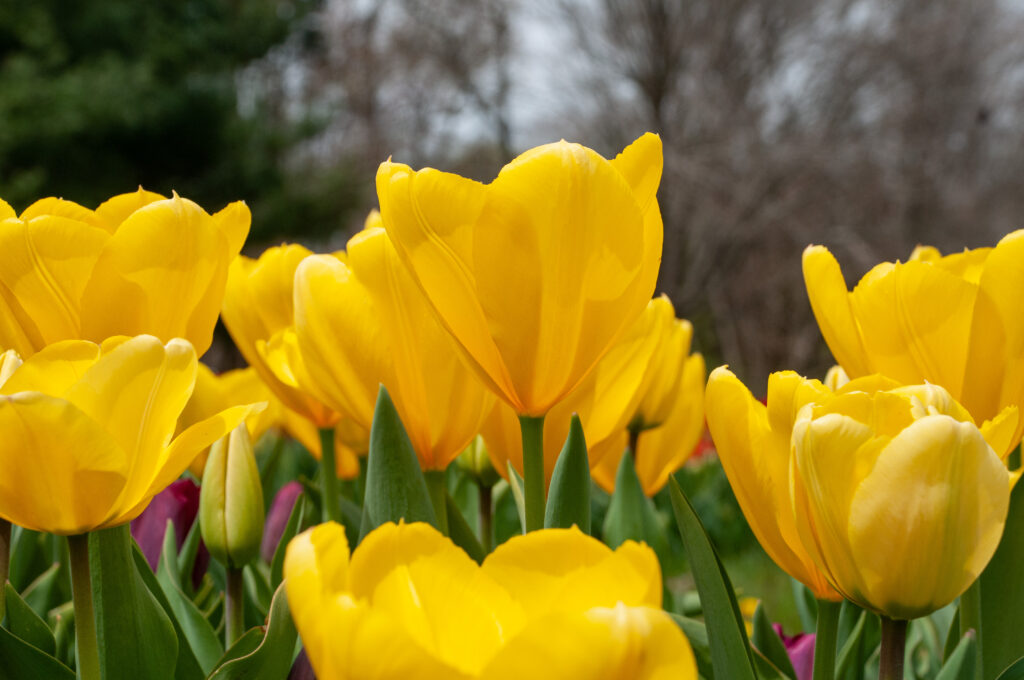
<point x="800" y="648"/>
<point x="277" y="518"/>
<point x="179" y="502"/>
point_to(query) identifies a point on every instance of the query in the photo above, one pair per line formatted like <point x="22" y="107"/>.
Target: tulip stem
<point x="532" y="429"/>
<point x="329" y="477"/>
<point x="234" y="607"/>
<point x="894" y="641"/>
<point x="5" y="561"/>
<point x="87" y="652"/>
<point x="486" y="513"/>
<point x="437" y="485"/>
<point x="825" y="640"/>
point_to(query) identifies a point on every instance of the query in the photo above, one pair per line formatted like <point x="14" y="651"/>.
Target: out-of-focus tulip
<point x="899" y="477"/>
<point x="606" y="402"/>
<point x="258" y="314"/>
<point x="179" y="503"/>
<point x="954" y="321"/>
<point x="800" y="649"/>
<point x="231" y="510"/>
<point x="836" y="377"/>
<point x="538" y="273"/>
<point x="277" y="518"/>
<point x="88" y="431"/>
<point x="140" y="263"/>
<point x="361" y="321"/>
<point x="552" y="604"/>
<point x="475" y="460"/>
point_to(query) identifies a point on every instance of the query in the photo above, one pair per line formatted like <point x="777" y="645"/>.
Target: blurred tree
<point x="98" y="97"/>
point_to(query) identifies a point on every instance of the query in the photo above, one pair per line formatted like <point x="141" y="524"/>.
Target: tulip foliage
<point x="465" y="447"/>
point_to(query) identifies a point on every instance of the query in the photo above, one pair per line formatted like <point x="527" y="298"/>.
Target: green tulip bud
<point x="475" y="461"/>
<point x="231" y="501"/>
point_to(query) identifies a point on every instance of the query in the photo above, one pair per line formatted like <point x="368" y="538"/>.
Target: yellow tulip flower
<point x="555" y="604"/>
<point x="87" y="431"/>
<point x="898" y="497"/>
<point x="662" y="450"/>
<point x="606" y="401"/>
<point x="954" y="321"/>
<point x="361" y="321"/>
<point x="538" y="273"/>
<point x="140" y="263"/>
<point x="258" y="313"/>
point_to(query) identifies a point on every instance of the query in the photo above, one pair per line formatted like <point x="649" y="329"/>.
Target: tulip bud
<point x="277" y="518"/>
<point x="475" y="462"/>
<point x="231" y="501"/>
<point x="179" y="502"/>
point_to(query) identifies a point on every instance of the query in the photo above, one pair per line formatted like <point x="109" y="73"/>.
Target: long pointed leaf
<point x="1002" y="595"/>
<point x="569" y="494"/>
<point x="26" y="624"/>
<point x="961" y="663"/>
<point x="22" y="661"/>
<point x="631" y="514"/>
<point x="461" y="533"/>
<point x="273" y="658"/>
<point x="767" y="641"/>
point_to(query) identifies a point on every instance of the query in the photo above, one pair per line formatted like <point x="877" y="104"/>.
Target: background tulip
<point x="163" y="260"/>
<point x="539" y="272"/>
<point x="954" y="321"/>
<point x="178" y="503"/>
<point x="88" y="431"/>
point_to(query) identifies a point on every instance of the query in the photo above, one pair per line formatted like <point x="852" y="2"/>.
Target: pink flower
<point x="277" y="518"/>
<point x="179" y="503"/>
<point x="800" y="648"/>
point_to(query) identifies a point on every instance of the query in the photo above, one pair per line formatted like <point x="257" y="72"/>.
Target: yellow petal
<point x="640" y="164"/>
<point x="45" y="264"/>
<point x="62" y="471"/>
<point x="17" y="330"/>
<point x="391" y="545"/>
<point x="166" y="265"/>
<point x="640" y="643"/>
<point x="316" y="567"/>
<point x="233" y="221"/>
<point x="665" y="370"/>
<point x="116" y="209"/>
<point x="54" y="369"/>
<point x="6" y="211"/>
<point x="59" y="207"/>
<point x="830" y="301"/>
<point x="9" y="363"/>
<point x="937" y="495"/>
<point x="1000" y="431"/>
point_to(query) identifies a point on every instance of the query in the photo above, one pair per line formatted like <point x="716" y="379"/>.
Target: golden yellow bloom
<point x="361" y="321"/>
<point x="605" y="402"/>
<point x="140" y="263"/>
<point x="897" y="495"/>
<point x="664" y="449"/>
<point x="954" y="321"/>
<point x="552" y="604"/>
<point x="258" y="313"/>
<point x="538" y="273"/>
<point x="88" y="431"/>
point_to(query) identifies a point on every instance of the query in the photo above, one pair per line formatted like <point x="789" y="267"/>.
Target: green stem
<point x="234" y="607"/>
<point x="825" y="640"/>
<point x="634" y="439"/>
<point x="5" y="561"/>
<point x="437" y="485"/>
<point x="486" y="515"/>
<point x="532" y="428"/>
<point x="894" y="641"/>
<point x="970" y="619"/>
<point x="329" y="477"/>
<point x="87" y="651"/>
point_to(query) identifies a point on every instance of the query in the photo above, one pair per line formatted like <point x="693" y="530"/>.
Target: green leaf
<point x="727" y="636"/>
<point x="1002" y="595"/>
<point x="244" y="646"/>
<point x="767" y="641"/>
<point x="962" y="662"/>
<point x="41" y="593"/>
<point x="24" y="623"/>
<point x="631" y="514"/>
<point x="22" y="661"/>
<point x="858" y="646"/>
<point x="1014" y="672"/>
<point x="187" y="666"/>
<point x="395" y="488"/>
<point x="273" y="658"/>
<point x="135" y="635"/>
<point x="697" y="634"/>
<point x="569" y="493"/>
<point x="198" y="632"/>
<point x="461" y="533"/>
<point x="290" y="530"/>
<point x="952" y="636"/>
<point x="806" y="606"/>
<point x="766" y="670"/>
<point x="515" y="484"/>
<point x="257" y="586"/>
<point x="187" y="557"/>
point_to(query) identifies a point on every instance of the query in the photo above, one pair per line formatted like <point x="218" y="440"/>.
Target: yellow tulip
<point x="606" y="401"/>
<point x="88" y="431"/>
<point x="408" y="603"/>
<point x="361" y="321"/>
<point x="662" y="450"/>
<point x="538" y="273"/>
<point x="898" y="497"/>
<point x="954" y="321"/>
<point x="258" y="313"/>
<point x="140" y="263"/>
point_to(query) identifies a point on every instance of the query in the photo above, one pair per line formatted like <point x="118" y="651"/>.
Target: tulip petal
<point x="17" y="330"/>
<point x="316" y="566"/>
<point x="390" y="546"/>
<point x="54" y="369"/>
<point x="234" y="221"/>
<point x="830" y="302"/>
<point x="6" y="211"/>
<point x="916" y="507"/>
<point x="641" y="643"/>
<point x="45" y="264"/>
<point x="59" y="207"/>
<point x="116" y="209"/>
<point x="1000" y="431"/>
<point x="71" y="488"/>
<point x="641" y="164"/>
